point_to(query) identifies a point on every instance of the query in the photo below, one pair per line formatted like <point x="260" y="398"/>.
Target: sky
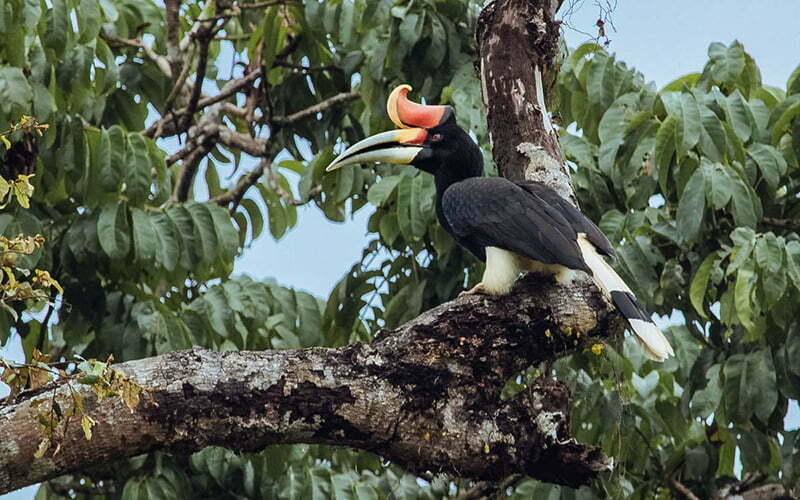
<point x="662" y="39"/>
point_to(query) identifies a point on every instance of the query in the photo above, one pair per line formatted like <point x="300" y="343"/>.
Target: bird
<point x="511" y="226"/>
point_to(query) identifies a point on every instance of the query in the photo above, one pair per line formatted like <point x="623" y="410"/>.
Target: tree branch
<point x="426" y="396"/>
<point x="679" y="487"/>
<point x="227" y="90"/>
<point x="204" y="37"/>
<point x="234" y="196"/>
<point x="160" y="61"/>
<point x="316" y="108"/>
<point x="172" y="15"/>
<point x="202" y="139"/>
<point x="790" y="224"/>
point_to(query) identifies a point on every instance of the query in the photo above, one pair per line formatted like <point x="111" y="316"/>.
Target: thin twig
<point x="307" y="69"/>
<point x="791" y="224"/>
<point x="204" y="40"/>
<point x="259" y="5"/>
<point x="160" y="61"/>
<point x="234" y="196"/>
<point x="254" y="146"/>
<point x="483" y="489"/>
<point x="316" y="108"/>
<point x="172" y="15"/>
<point x="178" y="84"/>
<point x="188" y="171"/>
<point x="679" y="487"/>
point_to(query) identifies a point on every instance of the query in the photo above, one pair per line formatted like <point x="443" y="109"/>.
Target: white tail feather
<point x="653" y="342"/>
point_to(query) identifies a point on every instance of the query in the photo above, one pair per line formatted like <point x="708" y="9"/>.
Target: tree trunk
<point x="427" y="395"/>
<point x="518" y="41"/>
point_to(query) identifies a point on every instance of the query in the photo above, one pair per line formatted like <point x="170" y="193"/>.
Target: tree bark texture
<point x="518" y="41"/>
<point x="426" y="395"/>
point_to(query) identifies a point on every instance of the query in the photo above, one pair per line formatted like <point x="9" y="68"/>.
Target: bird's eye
<point x="436" y="137"/>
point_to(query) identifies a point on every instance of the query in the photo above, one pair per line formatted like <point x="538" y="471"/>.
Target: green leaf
<point x="133" y="490"/>
<point x="727" y="456"/>
<point x="137" y="166"/>
<point x="404" y="305"/>
<point x="744" y="240"/>
<point x="15" y="92"/>
<point x="691" y="207"/>
<point x="89" y="20"/>
<point x="739" y="115"/>
<point x="792" y="250"/>
<point x="113" y="230"/>
<point x="697" y="290"/>
<point x="411" y="28"/>
<point x="687" y="132"/>
<point x="438" y="42"/>
<point x="712" y="136"/>
<point x="212" y="179"/>
<point x="665" y="148"/>
<point x="786" y="112"/>
<point x="770" y="161"/>
<point x="637" y="263"/>
<point x="793" y="83"/>
<point x="169" y="248"/>
<point x="719" y="184"/>
<point x="111" y="158"/>
<point x="764" y="383"/>
<point x="381" y="191"/>
<point x="346" y="18"/>
<point x="745" y="204"/>
<point x="191" y="248"/>
<point x="277" y="215"/>
<point x="254" y="213"/>
<point x="706" y="400"/>
<point x="742" y="297"/>
<point x="769" y="253"/>
<point x="57" y="27"/>
<point x="756" y="451"/>
<point x="418" y="209"/>
<point x="145" y="242"/>
<point x="274" y="35"/>
<point x="727" y="63"/>
<point x="404" y="206"/>
<point x="583" y="51"/>
<point x="578" y="149"/>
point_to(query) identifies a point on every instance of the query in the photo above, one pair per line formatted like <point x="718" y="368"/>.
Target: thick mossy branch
<point x="426" y="396"/>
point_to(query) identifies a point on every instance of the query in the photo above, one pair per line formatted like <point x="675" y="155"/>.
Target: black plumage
<point x="528" y="219"/>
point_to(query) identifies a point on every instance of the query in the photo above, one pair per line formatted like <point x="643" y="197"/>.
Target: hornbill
<point x="512" y="226"/>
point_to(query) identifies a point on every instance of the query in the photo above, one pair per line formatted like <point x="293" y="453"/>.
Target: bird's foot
<point x="475" y="290"/>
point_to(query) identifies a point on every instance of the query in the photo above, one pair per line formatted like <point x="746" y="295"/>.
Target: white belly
<point x="504" y="267"/>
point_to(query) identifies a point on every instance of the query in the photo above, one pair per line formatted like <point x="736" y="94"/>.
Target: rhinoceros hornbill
<point x="512" y="226"/>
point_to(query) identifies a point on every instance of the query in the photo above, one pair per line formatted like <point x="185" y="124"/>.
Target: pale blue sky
<point x="662" y="39"/>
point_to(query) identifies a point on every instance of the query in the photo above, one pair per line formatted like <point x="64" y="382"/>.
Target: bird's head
<point x="428" y="139"/>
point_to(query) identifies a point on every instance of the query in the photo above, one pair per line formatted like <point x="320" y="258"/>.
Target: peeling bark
<point x="426" y="396"/>
<point x="518" y="40"/>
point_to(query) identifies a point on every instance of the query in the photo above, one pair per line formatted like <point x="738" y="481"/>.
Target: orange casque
<point x="406" y="114"/>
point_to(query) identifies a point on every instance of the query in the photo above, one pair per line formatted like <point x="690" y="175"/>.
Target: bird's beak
<point x="395" y="146"/>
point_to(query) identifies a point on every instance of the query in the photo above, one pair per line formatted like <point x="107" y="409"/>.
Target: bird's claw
<point x="475" y="290"/>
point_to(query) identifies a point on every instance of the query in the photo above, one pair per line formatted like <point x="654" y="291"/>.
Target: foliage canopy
<point x="698" y="182"/>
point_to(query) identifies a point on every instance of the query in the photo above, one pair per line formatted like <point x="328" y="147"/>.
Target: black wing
<point x="528" y="219"/>
<point x="580" y="222"/>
